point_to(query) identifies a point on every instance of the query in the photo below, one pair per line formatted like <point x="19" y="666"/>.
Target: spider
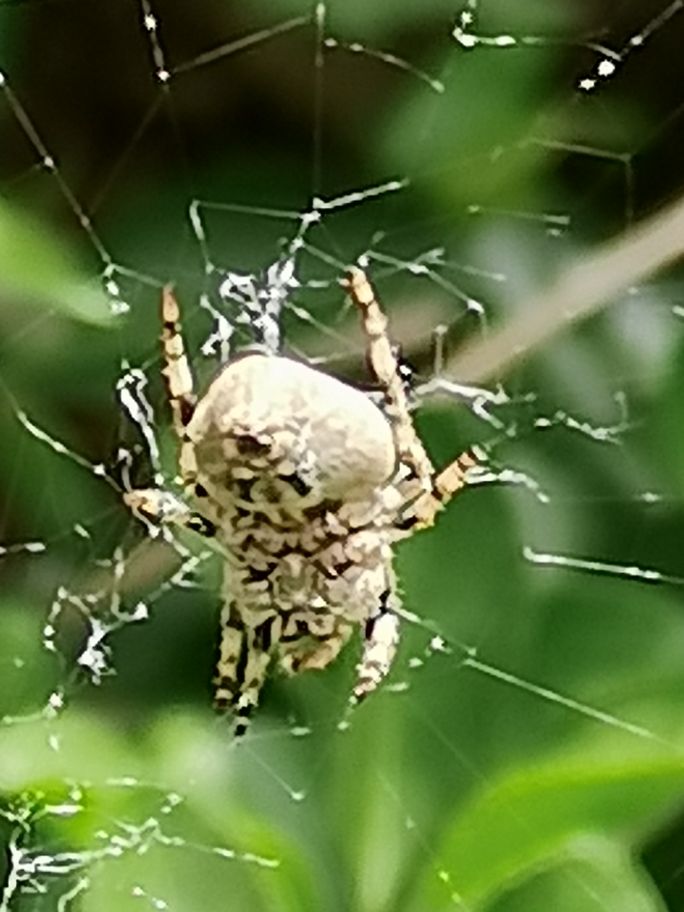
<point x="305" y="484"/>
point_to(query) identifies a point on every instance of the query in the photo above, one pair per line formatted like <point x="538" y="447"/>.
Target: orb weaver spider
<point x="305" y="484"/>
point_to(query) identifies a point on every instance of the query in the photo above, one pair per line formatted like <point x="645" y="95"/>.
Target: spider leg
<point x="432" y="492"/>
<point x="316" y="653"/>
<point x="381" y="638"/>
<point x="176" y="370"/>
<point x="156" y="504"/>
<point x="179" y="383"/>
<point x="162" y="507"/>
<point x="385" y="368"/>
<point x="422" y="512"/>
<point x="244" y="657"/>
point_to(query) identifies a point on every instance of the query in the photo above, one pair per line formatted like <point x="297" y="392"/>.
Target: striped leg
<point x="251" y="682"/>
<point x="179" y="384"/>
<point x="431" y="493"/>
<point x="381" y="638"/>
<point x="244" y="657"/>
<point x="156" y="504"/>
<point x="163" y="507"/>
<point x="385" y="367"/>
<point x="422" y="512"/>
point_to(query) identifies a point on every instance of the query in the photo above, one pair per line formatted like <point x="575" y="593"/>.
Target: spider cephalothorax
<point x="306" y="484"/>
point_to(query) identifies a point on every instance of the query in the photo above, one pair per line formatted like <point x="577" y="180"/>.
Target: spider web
<point x="466" y="155"/>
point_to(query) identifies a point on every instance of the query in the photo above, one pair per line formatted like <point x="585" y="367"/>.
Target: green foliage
<point x="533" y="762"/>
<point x="37" y="267"/>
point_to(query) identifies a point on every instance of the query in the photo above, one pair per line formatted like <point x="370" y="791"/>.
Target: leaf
<point x="37" y="265"/>
<point x="525" y="820"/>
<point x="598" y="875"/>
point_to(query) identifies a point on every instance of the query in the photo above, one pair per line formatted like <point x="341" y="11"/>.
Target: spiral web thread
<point x="238" y="304"/>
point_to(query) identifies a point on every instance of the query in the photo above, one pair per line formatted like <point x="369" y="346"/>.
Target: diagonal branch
<point x="584" y="288"/>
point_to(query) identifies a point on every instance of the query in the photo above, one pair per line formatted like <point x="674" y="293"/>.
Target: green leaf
<point x="525" y="820"/>
<point x="598" y="875"/>
<point x="36" y="265"/>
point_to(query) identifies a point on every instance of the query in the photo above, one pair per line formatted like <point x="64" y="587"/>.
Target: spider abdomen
<point x="305" y="484"/>
<point x="270" y="430"/>
<point x="295" y="471"/>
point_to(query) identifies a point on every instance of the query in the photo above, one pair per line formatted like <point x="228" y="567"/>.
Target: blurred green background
<point x="536" y="764"/>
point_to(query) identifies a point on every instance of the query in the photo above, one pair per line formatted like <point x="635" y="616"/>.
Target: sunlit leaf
<point x="525" y="820"/>
<point x="36" y="265"/>
<point x="594" y="876"/>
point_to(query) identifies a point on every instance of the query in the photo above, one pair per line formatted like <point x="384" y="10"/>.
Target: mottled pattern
<point x="305" y="484"/>
<point x="295" y="470"/>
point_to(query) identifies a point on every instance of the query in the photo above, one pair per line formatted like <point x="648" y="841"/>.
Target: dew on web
<point x="613" y="433"/>
<point x="392" y="60"/>
<point x="625" y="571"/>
<point x="35" y="872"/>
<point x="556" y="224"/>
<point x="608" y="59"/>
<point x="97" y="469"/>
<point x="468" y="657"/>
<point x="623" y="159"/>
<point x="420" y="266"/>
<point x="130" y="389"/>
<point x="34" y="547"/>
<point x="48" y="164"/>
<point x="286" y="296"/>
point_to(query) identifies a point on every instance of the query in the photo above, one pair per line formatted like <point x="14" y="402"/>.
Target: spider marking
<point x="306" y="485"/>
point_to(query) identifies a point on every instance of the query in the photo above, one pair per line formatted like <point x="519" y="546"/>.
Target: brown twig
<point x="579" y="291"/>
